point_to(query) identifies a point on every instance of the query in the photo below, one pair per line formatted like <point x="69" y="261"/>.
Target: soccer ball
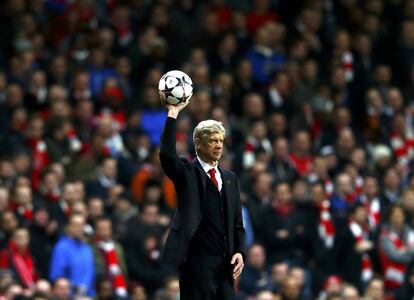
<point x="175" y="87"/>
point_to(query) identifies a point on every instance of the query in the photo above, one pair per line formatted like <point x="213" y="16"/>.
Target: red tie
<point x="212" y="173"/>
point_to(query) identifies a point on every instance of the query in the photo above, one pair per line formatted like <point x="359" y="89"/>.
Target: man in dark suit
<point x="205" y="239"/>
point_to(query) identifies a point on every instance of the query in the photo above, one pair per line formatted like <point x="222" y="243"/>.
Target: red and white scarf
<point x="23" y="263"/>
<point x="26" y="211"/>
<point x="348" y="65"/>
<point x="113" y="268"/>
<point x="361" y="234"/>
<point x="394" y="272"/>
<point x="373" y="209"/>
<point x="403" y="146"/>
<point x="359" y="185"/>
<point x="40" y="160"/>
<point x="329" y="187"/>
<point x="326" y="227"/>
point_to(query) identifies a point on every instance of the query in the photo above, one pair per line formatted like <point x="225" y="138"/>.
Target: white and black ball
<point x="175" y="87"/>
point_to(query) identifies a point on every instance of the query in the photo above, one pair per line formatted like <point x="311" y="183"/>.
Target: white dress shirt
<point x="206" y="167"/>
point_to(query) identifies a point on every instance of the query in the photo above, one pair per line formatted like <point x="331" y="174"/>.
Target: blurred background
<point x="317" y="98"/>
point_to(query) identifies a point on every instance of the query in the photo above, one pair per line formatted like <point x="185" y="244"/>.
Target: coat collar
<point x="224" y="175"/>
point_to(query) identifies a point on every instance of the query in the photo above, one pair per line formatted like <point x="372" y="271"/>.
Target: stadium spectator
<point x="255" y="277"/>
<point x="281" y="227"/>
<point x="72" y="258"/>
<point x="396" y="248"/>
<point x="61" y="289"/>
<point x="356" y="247"/>
<point x="109" y="259"/>
<point x="43" y="235"/>
<point x="375" y="289"/>
<point x="17" y="257"/>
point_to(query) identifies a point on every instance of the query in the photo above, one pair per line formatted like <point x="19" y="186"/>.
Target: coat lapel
<point x="228" y="192"/>
<point x="200" y="172"/>
<point x="202" y="177"/>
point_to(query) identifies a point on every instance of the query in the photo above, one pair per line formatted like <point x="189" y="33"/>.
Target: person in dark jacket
<point x="255" y="276"/>
<point x="206" y="235"/>
<point x="355" y="248"/>
<point x="282" y="229"/>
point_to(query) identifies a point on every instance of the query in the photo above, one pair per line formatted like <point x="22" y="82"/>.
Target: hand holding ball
<point x="175" y="87"/>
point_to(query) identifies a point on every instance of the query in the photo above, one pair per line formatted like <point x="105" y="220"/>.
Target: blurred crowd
<point x="317" y="97"/>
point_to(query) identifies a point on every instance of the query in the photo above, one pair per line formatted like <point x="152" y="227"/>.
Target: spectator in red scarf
<point x="109" y="257"/>
<point x="321" y="235"/>
<point x="355" y="248"/>
<point x="23" y="203"/>
<point x="50" y="189"/>
<point x="17" y="257"/>
<point x="374" y="205"/>
<point x="301" y="156"/>
<point x="282" y="228"/>
<point x="396" y="248"/>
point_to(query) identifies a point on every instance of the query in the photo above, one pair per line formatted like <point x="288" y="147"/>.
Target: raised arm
<point x="170" y="161"/>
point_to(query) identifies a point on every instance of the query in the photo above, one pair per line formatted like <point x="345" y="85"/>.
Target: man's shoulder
<point x="228" y="173"/>
<point x="63" y="243"/>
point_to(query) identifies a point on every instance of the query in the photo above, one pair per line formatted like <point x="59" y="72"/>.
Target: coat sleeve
<point x="239" y="233"/>
<point x="172" y="165"/>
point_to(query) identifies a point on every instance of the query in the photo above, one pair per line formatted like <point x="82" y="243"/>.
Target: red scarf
<point x="394" y="272"/>
<point x="361" y="234"/>
<point x="359" y="185"/>
<point x="403" y="146"/>
<point x="329" y="187"/>
<point x="350" y="198"/>
<point x="113" y="268"/>
<point x="326" y="227"/>
<point x="40" y="160"/>
<point x="52" y="196"/>
<point x="25" y="211"/>
<point x="23" y="264"/>
<point x="283" y="209"/>
<point x="348" y="65"/>
<point x="373" y="209"/>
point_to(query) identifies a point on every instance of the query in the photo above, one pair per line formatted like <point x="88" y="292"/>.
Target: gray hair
<point x="206" y="128"/>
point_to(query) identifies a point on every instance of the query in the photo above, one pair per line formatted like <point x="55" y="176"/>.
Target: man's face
<point x="210" y="148"/>
<point x="109" y="168"/>
<point x="77" y="225"/>
<point x="21" y="239"/>
<point x="104" y="230"/>
<point x="256" y="257"/>
<point x="23" y="195"/>
<point x="376" y="289"/>
<point x="61" y="290"/>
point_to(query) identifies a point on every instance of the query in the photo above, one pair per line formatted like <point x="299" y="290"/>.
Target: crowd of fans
<point x="317" y="98"/>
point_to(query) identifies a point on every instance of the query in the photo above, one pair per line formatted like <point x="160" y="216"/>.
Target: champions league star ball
<point x="175" y="87"/>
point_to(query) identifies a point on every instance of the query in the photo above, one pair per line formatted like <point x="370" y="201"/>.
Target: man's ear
<point x="196" y="143"/>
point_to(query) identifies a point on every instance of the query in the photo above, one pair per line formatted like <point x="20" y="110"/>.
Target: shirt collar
<point x="206" y="167"/>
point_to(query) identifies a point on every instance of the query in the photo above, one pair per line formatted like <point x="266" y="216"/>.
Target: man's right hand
<point x="174" y="110"/>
